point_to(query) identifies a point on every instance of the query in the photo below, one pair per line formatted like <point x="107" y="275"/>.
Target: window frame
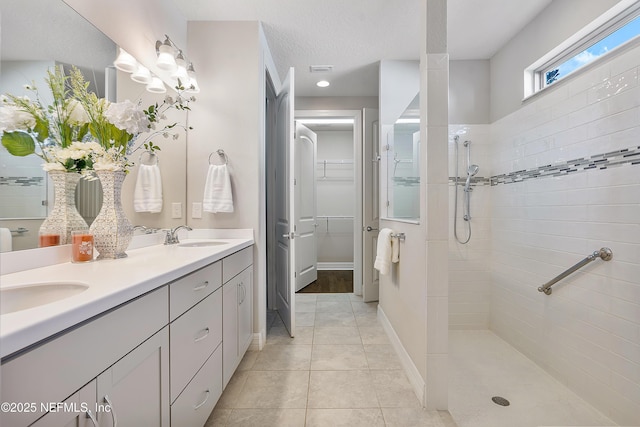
<point x="535" y="81"/>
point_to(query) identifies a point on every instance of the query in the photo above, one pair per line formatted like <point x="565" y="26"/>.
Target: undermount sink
<point x="21" y="297"/>
<point x="202" y="243"/>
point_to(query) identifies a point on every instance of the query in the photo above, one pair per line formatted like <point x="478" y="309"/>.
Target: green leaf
<point x="18" y="143"/>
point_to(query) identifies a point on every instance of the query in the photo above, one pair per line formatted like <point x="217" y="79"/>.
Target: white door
<point x="285" y="208"/>
<point x="306" y="142"/>
<point x="370" y="203"/>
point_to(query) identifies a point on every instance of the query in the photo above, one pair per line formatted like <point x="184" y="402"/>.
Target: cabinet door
<point x="245" y="311"/>
<point x="229" y="328"/>
<point x="136" y="388"/>
<point x="79" y="410"/>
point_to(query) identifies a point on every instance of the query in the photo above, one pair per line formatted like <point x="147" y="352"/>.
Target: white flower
<point x="53" y="167"/>
<point x="127" y="116"/>
<point x="76" y="113"/>
<point x="13" y="118"/>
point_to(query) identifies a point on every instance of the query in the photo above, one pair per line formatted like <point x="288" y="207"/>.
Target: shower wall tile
<point x="565" y="181"/>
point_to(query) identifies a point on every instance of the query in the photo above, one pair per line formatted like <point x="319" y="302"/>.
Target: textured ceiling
<point x="353" y="35"/>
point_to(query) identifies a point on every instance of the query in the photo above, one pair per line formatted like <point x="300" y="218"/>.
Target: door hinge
<point x="387" y="147"/>
<point x="295" y="181"/>
<point x="388" y="203"/>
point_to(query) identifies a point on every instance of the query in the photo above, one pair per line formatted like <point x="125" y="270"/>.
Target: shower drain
<point x="500" y="401"/>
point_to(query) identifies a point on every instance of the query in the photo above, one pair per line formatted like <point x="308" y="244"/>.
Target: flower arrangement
<point x="52" y="132"/>
<point x="80" y="132"/>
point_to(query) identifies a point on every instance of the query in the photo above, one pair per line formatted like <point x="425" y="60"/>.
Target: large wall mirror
<point x="400" y="140"/>
<point x="37" y="35"/>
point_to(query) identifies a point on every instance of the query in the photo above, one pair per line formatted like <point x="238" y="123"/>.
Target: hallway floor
<point x="339" y="370"/>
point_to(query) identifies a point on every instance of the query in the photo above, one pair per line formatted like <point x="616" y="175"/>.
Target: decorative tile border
<point x="22" y="181"/>
<point x="627" y="156"/>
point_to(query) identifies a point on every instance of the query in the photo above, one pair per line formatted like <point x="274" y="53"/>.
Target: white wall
<point x="557" y="22"/>
<point x="469" y="92"/>
<point x="587" y="333"/>
<point x="336" y="102"/>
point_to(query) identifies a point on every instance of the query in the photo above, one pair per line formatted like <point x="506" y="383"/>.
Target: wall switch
<point x="196" y="210"/>
<point x="176" y="210"/>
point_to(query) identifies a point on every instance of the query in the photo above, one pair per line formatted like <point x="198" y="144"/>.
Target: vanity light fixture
<point x="323" y="83"/>
<point x="125" y="62"/>
<point x="156" y="86"/>
<point x="142" y="75"/>
<point x="166" y="59"/>
<point x="192" y="84"/>
<point x="181" y="71"/>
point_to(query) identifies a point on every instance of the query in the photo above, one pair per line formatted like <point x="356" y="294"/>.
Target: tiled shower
<point x="564" y="174"/>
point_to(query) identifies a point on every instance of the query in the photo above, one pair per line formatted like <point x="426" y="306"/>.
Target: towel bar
<point x="400" y="236"/>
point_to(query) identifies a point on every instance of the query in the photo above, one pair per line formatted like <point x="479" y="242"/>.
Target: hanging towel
<point x="147" y="196"/>
<point x="395" y="249"/>
<point x="217" y="190"/>
<point x="5" y="240"/>
<point x="383" y="252"/>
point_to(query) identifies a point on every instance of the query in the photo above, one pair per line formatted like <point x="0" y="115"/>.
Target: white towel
<point x="383" y="252"/>
<point x="217" y="190"/>
<point x="5" y="240"/>
<point x="147" y="196"/>
<point x="395" y="249"/>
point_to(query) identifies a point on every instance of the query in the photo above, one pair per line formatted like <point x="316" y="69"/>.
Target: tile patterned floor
<point x="339" y="370"/>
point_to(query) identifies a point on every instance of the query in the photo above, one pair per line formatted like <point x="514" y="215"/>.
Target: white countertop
<point x="111" y="283"/>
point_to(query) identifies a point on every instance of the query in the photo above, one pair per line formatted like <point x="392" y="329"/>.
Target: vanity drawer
<point x="186" y="292"/>
<point x="234" y="264"/>
<point x="193" y="337"/>
<point x="194" y="405"/>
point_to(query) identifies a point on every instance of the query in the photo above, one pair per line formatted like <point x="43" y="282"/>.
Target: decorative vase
<point x="64" y="217"/>
<point x="111" y="229"/>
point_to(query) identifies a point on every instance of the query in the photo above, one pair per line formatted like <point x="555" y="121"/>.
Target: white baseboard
<point x="258" y="341"/>
<point x="418" y="384"/>
<point x="335" y="266"/>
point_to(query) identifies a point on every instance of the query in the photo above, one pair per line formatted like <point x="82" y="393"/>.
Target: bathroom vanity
<point x="152" y="340"/>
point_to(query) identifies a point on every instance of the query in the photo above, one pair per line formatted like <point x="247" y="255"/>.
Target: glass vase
<point x="111" y="229"/>
<point x="64" y="217"/>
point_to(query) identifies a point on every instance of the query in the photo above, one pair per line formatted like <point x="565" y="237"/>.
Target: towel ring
<point x="220" y="152"/>
<point x="151" y="156"/>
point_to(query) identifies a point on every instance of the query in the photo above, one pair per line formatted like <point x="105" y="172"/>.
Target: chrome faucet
<point x="172" y="235"/>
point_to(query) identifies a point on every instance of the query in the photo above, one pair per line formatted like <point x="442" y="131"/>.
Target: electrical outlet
<point x="176" y="210"/>
<point x="196" y="210"/>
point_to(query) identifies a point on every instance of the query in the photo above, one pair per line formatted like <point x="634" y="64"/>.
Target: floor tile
<point x="281" y="336"/>
<point x="335" y="319"/>
<point x="266" y="418"/>
<point x="394" y="390"/>
<point x="232" y="390"/>
<point x="373" y="335"/>
<point x="274" y="389"/>
<point x="382" y="357"/>
<point x="334" y="306"/>
<point x="218" y="417"/>
<point x="305" y="306"/>
<point x="345" y="418"/>
<point x="336" y="335"/>
<point x="341" y="389"/>
<point x="305" y="319"/>
<point x="248" y="360"/>
<point x="338" y="357"/>
<point x="283" y="358"/>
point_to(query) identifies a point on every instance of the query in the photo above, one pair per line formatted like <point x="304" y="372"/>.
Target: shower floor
<point x="482" y="365"/>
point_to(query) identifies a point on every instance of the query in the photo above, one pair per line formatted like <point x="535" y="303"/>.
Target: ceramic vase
<point x="64" y="217"/>
<point x="111" y="229"/>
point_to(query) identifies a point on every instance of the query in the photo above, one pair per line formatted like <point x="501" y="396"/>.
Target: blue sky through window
<point x="615" y="39"/>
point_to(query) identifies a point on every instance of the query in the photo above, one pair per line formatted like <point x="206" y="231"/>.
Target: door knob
<point x="371" y="229"/>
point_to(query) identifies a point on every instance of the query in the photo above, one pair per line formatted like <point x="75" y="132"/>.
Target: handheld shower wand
<point x="472" y="171"/>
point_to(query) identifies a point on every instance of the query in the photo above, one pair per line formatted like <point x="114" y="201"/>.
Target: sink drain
<point x="500" y="401"/>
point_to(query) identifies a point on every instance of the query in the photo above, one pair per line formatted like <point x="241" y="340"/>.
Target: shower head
<point x="473" y="169"/>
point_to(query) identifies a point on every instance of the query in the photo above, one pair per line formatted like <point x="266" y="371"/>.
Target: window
<point x="593" y="42"/>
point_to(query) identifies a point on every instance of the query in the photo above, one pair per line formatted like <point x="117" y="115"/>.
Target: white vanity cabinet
<point x="161" y="359"/>
<point x="62" y="366"/>
<point x="237" y="296"/>
<point x="196" y="345"/>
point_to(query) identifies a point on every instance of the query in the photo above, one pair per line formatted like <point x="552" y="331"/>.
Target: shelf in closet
<point x="343" y="164"/>
<point x="334" y="217"/>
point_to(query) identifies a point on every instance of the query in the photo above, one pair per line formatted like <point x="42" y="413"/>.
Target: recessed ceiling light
<point x="323" y="83"/>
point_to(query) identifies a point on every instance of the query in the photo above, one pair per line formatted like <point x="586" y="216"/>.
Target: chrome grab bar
<point x="605" y="254"/>
<point x="400" y="236"/>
